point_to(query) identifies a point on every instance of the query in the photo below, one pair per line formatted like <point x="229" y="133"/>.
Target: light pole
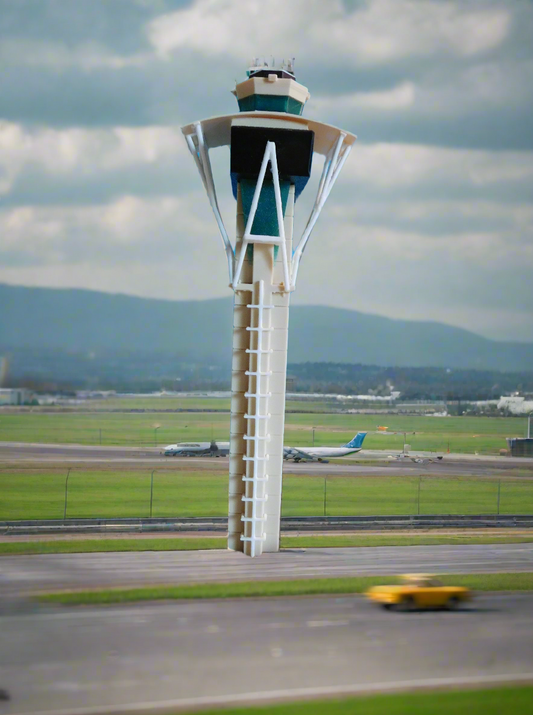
<point x="529" y="425"/>
<point x="66" y="494"/>
<point x="156" y="427"/>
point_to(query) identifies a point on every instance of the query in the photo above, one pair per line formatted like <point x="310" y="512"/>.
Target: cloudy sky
<point x="431" y="219"/>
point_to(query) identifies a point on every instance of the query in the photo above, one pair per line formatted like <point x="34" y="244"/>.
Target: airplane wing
<point x="424" y="460"/>
<point x="303" y="455"/>
<point x="299" y="455"/>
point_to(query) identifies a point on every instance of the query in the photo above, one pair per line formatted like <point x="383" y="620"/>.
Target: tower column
<point x="259" y="366"/>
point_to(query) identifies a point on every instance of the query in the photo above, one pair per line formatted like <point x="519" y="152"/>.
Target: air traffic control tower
<point x="271" y="148"/>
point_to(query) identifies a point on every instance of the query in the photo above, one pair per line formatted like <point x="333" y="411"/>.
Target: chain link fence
<point x="40" y="493"/>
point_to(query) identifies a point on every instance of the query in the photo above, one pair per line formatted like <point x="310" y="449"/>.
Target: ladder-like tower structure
<point x="272" y="148"/>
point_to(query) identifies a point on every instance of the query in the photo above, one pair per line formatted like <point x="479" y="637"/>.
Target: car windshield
<point x="427" y="583"/>
<point x="423" y="581"/>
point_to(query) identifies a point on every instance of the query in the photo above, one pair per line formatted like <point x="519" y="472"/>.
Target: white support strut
<point x="200" y="153"/>
<point x="333" y="162"/>
<point x="332" y="167"/>
<point x="249" y="237"/>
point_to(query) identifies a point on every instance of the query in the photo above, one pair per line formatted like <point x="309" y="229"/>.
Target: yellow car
<point x="419" y="591"/>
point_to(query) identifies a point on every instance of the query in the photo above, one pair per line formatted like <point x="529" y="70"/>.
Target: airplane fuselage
<point x="320" y="452"/>
<point x="197" y="449"/>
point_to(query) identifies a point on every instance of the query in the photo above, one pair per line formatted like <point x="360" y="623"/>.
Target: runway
<point x="169" y="657"/>
<point x="27" y="574"/>
<point x="368" y="462"/>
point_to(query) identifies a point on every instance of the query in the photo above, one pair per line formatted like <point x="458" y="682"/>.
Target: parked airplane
<point x="319" y="454"/>
<point x="197" y="449"/>
<point x="221" y="449"/>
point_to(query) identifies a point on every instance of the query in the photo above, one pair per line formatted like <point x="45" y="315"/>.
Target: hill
<point x="90" y="322"/>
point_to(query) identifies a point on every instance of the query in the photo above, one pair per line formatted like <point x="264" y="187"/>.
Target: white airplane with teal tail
<point x="321" y="454"/>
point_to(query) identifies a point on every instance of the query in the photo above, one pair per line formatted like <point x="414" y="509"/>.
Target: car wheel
<point x="407" y="604"/>
<point x="387" y="606"/>
<point x="453" y="603"/>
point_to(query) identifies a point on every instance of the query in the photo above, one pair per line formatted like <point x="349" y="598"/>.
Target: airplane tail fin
<point x="357" y="441"/>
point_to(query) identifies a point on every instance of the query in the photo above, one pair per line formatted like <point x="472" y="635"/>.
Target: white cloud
<point x="58" y="56"/>
<point x="95" y="152"/>
<point x="400" y="97"/>
<point x="476" y="280"/>
<point x="165" y="247"/>
<point x="389" y="165"/>
<point x="122" y="231"/>
<point x="376" y="32"/>
<point x="86" y="152"/>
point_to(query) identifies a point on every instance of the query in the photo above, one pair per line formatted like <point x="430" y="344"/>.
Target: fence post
<point x="151" y="491"/>
<point x="66" y="495"/>
<point x="325" y="494"/>
<point x="499" y="489"/>
<point x="418" y="500"/>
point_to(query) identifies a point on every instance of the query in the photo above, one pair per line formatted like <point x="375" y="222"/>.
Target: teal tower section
<point x="269" y="90"/>
<point x="265" y="220"/>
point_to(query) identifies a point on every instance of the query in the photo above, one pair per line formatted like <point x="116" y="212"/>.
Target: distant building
<point x="516" y="404"/>
<point x="15" y="396"/>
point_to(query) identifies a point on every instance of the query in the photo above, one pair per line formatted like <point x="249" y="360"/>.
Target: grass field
<point x="199" y="402"/>
<point x="40" y="494"/>
<point x="201" y="543"/>
<point x="496" y="701"/>
<point x="485" y="435"/>
<point x="296" y="587"/>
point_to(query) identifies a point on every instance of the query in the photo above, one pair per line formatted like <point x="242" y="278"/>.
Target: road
<point x="199" y="654"/>
<point x="25" y="574"/>
<point x="451" y="464"/>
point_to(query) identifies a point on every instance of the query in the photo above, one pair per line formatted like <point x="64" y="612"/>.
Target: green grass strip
<point x="468" y="702"/>
<point x="334" y="541"/>
<point x="490" y="701"/>
<point x="300" y="587"/>
<point x="81" y="546"/>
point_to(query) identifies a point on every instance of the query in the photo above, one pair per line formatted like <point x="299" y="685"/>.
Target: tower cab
<point x="271" y="89"/>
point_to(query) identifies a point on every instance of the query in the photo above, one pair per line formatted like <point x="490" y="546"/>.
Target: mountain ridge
<point x="83" y="320"/>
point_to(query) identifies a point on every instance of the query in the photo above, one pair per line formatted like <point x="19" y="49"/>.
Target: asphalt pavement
<point x="26" y="574"/>
<point x="383" y="464"/>
<point x="169" y="657"/>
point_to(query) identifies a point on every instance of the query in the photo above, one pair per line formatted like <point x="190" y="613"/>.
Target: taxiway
<point x="27" y="574"/>
<point x="169" y="657"/>
<point x="365" y="463"/>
